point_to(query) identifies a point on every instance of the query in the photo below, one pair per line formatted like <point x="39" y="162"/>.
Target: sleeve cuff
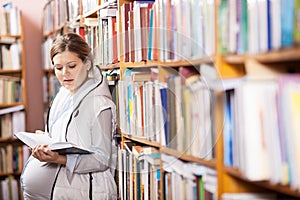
<point x="70" y="165"/>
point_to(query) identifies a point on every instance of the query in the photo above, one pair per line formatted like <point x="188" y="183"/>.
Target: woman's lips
<point x="68" y="80"/>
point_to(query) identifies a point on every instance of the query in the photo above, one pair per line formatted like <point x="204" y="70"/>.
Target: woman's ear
<point x="88" y="64"/>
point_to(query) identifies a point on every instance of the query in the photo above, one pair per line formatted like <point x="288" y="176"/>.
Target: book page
<point x="33" y="139"/>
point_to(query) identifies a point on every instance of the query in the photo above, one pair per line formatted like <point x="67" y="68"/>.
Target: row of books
<point x="90" y="5"/>
<point x="261" y="131"/>
<point x="143" y="22"/>
<point x="166" y="30"/>
<point x="140" y="176"/>
<point x="12" y="120"/>
<point x="10" y="188"/>
<point x="10" y="23"/>
<point x="101" y="34"/>
<point x="187" y="180"/>
<point x="55" y="14"/>
<point x="258" y="26"/>
<point x="10" y="54"/>
<point x="51" y="87"/>
<point x="135" y="18"/>
<point x="60" y="12"/>
<point x="10" y="89"/>
<point x="107" y="47"/>
<point x="13" y="158"/>
<point x="139" y="172"/>
<point x="176" y="113"/>
<point x="45" y="49"/>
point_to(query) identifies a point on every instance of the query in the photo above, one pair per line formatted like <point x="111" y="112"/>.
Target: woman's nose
<point x="65" y="70"/>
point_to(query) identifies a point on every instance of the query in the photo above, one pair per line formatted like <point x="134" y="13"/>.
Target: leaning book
<point x="33" y="139"/>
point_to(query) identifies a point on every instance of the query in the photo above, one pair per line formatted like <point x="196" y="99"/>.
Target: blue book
<point x="150" y="39"/>
<point x="287" y="22"/>
<point x="269" y="21"/>
<point x="164" y="103"/>
<point x="228" y="157"/>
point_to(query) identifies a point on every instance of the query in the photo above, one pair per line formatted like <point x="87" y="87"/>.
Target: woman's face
<point x="70" y="70"/>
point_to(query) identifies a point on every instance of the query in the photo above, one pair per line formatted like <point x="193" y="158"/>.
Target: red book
<point x="131" y="37"/>
<point x="114" y="40"/>
<point x="125" y="36"/>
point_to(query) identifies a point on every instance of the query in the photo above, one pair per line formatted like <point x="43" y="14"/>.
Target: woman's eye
<point x="58" y="68"/>
<point x="72" y="66"/>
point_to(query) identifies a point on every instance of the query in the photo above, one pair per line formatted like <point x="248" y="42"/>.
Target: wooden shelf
<point x="234" y="59"/>
<point x="284" y="189"/>
<point x="110" y="66"/>
<point x="180" y="63"/>
<point x="10" y="174"/>
<point x="10" y="71"/>
<point x="139" y="64"/>
<point x="187" y="62"/>
<point x="189" y="158"/>
<point x="48" y="70"/>
<point x="8" y="140"/>
<point x="275" y="56"/>
<point x="283" y="55"/>
<point x="55" y="31"/>
<point x="173" y="152"/>
<point x="142" y="140"/>
<point x="10" y="36"/>
<point x="10" y="105"/>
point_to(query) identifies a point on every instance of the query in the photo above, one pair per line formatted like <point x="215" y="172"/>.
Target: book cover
<point x="33" y="139"/>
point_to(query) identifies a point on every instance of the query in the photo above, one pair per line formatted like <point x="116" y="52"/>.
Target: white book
<point x="5" y="189"/>
<point x="3" y="23"/>
<point x="107" y="12"/>
<point x="209" y="30"/>
<point x="233" y="26"/>
<point x="14" y="189"/>
<point x="253" y="32"/>
<point x="186" y="29"/>
<point x="33" y="139"/>
<point x="91" y="21"/>
<point x="197" y="28"/>
<point x="263" y="25"/>
<point x="18" y="121"/>
<point x="15" y="55"/>
<point x="253" y="126"/>
<point x="14" y="21"/>
<point x="275" y="26"/>
<point x="178" y="37"/>
<point x="120" y="172"/>
<point x="137" y="31"/>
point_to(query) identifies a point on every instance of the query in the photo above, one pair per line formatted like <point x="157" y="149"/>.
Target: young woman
<point x="84" y="114"/>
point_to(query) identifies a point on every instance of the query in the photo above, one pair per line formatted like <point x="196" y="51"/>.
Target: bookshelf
<point x="13" y="105"/>
<point x="210" y="64"/>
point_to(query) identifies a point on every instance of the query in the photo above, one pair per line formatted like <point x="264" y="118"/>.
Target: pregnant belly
<point x="37" y="179"/>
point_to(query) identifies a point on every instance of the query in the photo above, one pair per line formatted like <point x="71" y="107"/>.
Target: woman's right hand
<point x="43" y="154"/>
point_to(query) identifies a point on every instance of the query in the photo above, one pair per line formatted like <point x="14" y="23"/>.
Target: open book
<point x="33" y="139"/>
